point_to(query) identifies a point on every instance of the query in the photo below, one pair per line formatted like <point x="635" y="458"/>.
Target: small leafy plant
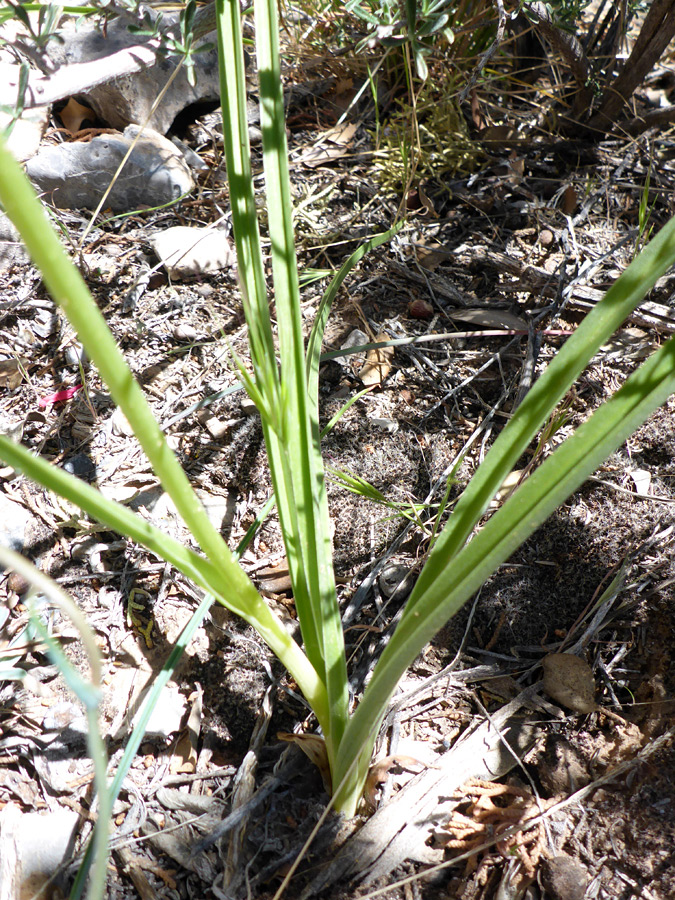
<point x="284" y="386"/>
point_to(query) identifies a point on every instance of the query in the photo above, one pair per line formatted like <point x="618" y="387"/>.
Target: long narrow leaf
<point x="619" y="301"/>
<point x="308" y="545"/>
<point x="559" y="476"/>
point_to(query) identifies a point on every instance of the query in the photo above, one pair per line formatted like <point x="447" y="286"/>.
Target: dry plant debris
<point x="486" y="810"/>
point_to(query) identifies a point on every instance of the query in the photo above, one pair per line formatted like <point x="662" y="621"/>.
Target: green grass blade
<point x="456" y="579"/>
<point x="138" y="733"/>
<point x="619" y="301"/>
<point x="307" y="532"/>
<point x="69" y="291"/>
<point x="88" y="693"/>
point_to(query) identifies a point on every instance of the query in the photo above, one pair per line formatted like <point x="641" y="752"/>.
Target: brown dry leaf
<point x="314" y="748"/>
<point x="11" y="372"/>
<point x="378" y="772"/>
<point x="569" y="200"/>
<point x="184" y="757"/>
<point x="426" y="202"/>
<point x="275" y="579"/>
<point x="74" y="114"/>
<point x="569" y="680"/>
<point x="499" y="137"/>
<point x="378" y="362"/>
<point x="332" y="145"/>
<point x="431" y="255"/>
<point x="490" y="318"/>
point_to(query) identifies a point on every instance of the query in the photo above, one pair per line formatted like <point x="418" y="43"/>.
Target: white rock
<point x="186" y="251"/>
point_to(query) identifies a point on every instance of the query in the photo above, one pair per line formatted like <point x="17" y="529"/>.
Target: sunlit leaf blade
<point x="454" y="580"/>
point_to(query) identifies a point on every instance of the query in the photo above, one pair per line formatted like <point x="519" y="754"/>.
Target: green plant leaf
<point x="454" y="580"/>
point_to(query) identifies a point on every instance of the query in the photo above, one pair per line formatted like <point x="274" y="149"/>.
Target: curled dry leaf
<point x="314" y="748"/>
<point x="378" y="362"/>
<point x="11" y="372"/>
<point x="379" y="771"/>
<point x="569" y="680"/>
<point x="74" y="114"/>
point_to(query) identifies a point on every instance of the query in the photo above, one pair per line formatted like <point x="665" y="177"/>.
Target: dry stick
<point x="655" y="35"/>
<point x="654" y="118"/>
<point x="568" y="801"/>
<point x="565" y="43"/>
<point x="43" y="90"/>
<point x="489" y="53"/>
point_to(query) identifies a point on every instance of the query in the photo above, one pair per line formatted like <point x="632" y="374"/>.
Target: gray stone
<point x="128" y="99"/>
<point x="76" y="175"/>
<point x="15" y="521"/>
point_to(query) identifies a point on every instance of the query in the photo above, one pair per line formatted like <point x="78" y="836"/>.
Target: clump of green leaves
<point x="428" y="139"/>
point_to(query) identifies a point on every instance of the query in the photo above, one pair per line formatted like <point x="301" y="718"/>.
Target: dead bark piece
<point x="400" y="829"/>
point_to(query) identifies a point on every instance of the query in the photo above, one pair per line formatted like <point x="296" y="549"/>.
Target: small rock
<point x="569" y="680"/>
<point x="120" y="424"/>
<point x="396" y="581"/>
<point x="81" y="466"/>
<point x="217" y="428"/>
<point x="185" y="332"/>
<point x="420" y="309"/>
<point x="36" y="847"/>
<point x="14" y="523"/>
<point x="186" y="252"/>
<point x="76" y="175"/>
<point x="75" y="355"/>
<point x="17" y="584"/>
<point x="390" y="426"/>
<point x="564" y="878"/>
<point x="356" y="338"/>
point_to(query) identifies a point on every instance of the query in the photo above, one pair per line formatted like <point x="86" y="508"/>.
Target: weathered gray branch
<point x="43" y="90"/>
